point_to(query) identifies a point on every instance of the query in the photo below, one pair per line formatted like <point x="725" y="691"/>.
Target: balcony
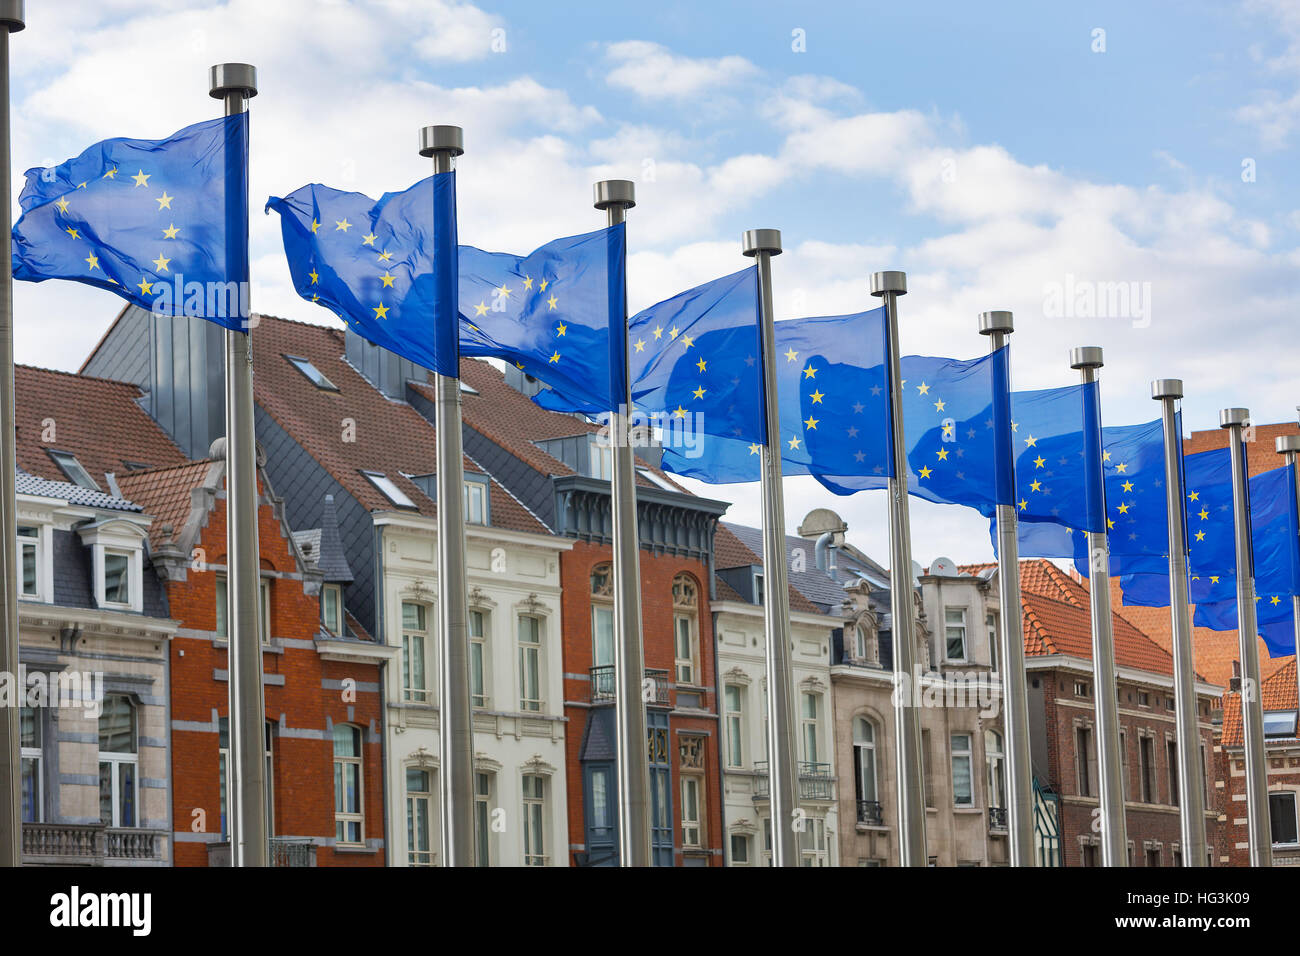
<point x="998" y="819"/>
<point x="89" y="844"/>
<point x="603" y="686"/>
<point x="283" y="853"/>
<point x="815" y="781"/>
<point x="871" y="813"/>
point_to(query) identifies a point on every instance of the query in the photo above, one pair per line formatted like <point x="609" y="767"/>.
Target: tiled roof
<point x="390" y="437"/>
<point x="1053" y="626"/>
<point x="28" y="484"/>
<point x="165" y="494"/>
<point x="95" y="419"/>
<point x="1277" y="692"/>
<point x="725" y="591"/>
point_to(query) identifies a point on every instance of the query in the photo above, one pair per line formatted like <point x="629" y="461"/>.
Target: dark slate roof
<point x="28" y="484"/>
<point x="330" y="559"/>
<point x="816" y="585"/>
<point x="598" y="741"/>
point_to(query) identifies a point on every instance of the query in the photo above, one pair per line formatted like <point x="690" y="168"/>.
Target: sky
<point x="1022" y="156"/>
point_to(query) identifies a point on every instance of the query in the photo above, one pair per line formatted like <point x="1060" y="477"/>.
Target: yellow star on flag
<point x="142" y="178"/>
<point x="369" y="240"/>
<point x="161" y="263"/>
<point x="170" y="231"/>
<point x="93" y="260"/>
<point x="165" y="201"/>
<point x="387" y="279"/>
<point x="816" y="396"/>
<point x="381" y="312"/>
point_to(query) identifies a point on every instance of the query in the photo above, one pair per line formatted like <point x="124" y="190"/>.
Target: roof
<point x="1277" y="692"/>
<point x="98" y="420"/>
<point x="389" y="436"/>
<point x="166" y="494"/>
<point x="808" y="589"/>
<point x="28" y="484"/>
<point x="329" y="555"/>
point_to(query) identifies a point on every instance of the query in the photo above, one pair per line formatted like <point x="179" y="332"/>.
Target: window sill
<point x="354" y="848"/>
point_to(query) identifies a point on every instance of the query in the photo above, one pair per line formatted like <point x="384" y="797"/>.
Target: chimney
<point x="1234" y="685"/>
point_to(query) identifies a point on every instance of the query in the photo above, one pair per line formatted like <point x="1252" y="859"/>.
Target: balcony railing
<point x="997" y="818"/>
<point x="603" y="687"/>
<point x="292" y="852"/>
<point x="88" y="844"/>
<point x="815" y="781"/>
<point x="870" y="813"/>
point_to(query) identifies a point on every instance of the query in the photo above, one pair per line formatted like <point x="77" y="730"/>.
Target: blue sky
<point x="988" y="150"/>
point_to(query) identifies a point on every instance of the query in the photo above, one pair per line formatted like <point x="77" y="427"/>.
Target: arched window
<point x="602" y="627"/>
<point x="997" y="769"/>
<point x="686" y="630"/>
<point x="864" y="771"/>
<point x="118" y="762"/>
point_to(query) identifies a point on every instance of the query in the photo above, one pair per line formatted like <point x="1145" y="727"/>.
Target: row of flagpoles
<point x="750" y="391"/>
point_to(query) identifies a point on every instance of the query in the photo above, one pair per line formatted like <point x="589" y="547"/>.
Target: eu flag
<point x="557" y="313"/>
<point x="1054" y="481"/>
<point x="162" y="223"/>
<point x="380" y="278"/>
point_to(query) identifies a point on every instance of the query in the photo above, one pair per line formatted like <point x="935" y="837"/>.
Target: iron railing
<point x="292" y="852"/>
<point x="603" y="687"/>
<point x="816" y="782"/>
<point x="871" y="813"/>
<point x="997" y="818"/>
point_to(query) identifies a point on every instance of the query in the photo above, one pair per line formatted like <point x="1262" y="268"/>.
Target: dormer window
<point x="600" y="460"/>
<point x="70" y="467"/>
<point x="117" y="549"/>
<point x="117" y="578"/>
<point x="476" y="502"/>
<point x="388" y="488"/>
<point x="331" y="608"/>
<point x="312" y="373"/>
<point x="29" y="561"/>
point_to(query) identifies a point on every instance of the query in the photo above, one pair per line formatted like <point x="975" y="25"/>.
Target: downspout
<point x="381" y="637"/>
<point x="719" y="698"/>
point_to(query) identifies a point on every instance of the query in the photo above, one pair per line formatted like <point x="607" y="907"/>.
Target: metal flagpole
<point x="907" y="748"/>
<point x="444" y="143"/>
<point x="1252" y="713"/>
<point x="1191" y="774"/>
<point x="783" y="778"/>
<point x="1289" y="445"/>
<point x="235" y="84"/>
<point x="616" y="197"/>
<point x="1114" y="829"/>
<point x="11" y="790"/>
<point x="997" y="326"/>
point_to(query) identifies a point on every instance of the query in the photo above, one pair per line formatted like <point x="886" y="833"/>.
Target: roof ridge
<point x="80" y="376"/>
<point x="140" y="472"/>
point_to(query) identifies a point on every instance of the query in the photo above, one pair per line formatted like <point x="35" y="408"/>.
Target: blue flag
<point x="375" y="264"/>
<point x="557" y="313"/>
<point x="1054" y="483"/>
<point x="162" y="223"/>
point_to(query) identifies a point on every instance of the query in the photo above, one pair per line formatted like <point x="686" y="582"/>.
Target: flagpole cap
<point x="232" y="78"/>
<point x="1288" y="443"/>
<point x="761" y="240"/>
<point x="1086" y="356"/>
<point x="442" y="139"/>
<point x="1233" y="416"/>
<point x="614" y="192"/>
<point x="1167" y="388"/>
<point x="991" y="323"/>
<point x="883" y="282"/>
<point x="12" y="15"/>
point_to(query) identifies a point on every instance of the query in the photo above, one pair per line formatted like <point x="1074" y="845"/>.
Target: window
<point x="864" y="762"/>
<point x="223" y="608"/>
<point x="812" y="843"/>
<point x="955" y="632"/>
<point x="1144" y="699"/>
<point x="685" y="629"/>
<point x="602" y="620"/>
<point x="1277" y="723"/>
<point x="475" y="502"/>
<point x="29" y="549"/>
<point x="808" y="723"/>
<point x="691" y="816"/>
<point x="534" y="820"/>
<point x="33" y="785"/>
<point x="117" y="577"/>
<point x="415" y="645"/>
<point x="1171" y="756"/>
<point x="388" y="488"/>
<point x="735" y="721"/>
<point x="1085" y="761"/>
<point x="600" y="457"/>
<point x="739" y="850"/>
<point x="1282" y="818"/>
<point x="313" y="374"/>
<point x="419" y="803"/>
<point x="530" y="663"/>
<point x="69" y="465"/>
<point x="859" y="642"/>
<point x="1123" y="765"/>
<point x="997" y="769"/>
<point x="991" y="627"/>
<point x="331" y="607"/>
<point x="483" y="818"/>
<point x="758" y="587"/>
<point x="349" y="810"/>
<point x="963" y="790"/>
<point x="477" y="659"/>
<point x="1153" y="856"/>
<point x="223" y="778"/>
<point x="118" y="762"/>
<point x="1081" y="689"/>
<point x="927" y="768"/>
<point x="1089" y="854"/>
<point x="1147" y="769"/>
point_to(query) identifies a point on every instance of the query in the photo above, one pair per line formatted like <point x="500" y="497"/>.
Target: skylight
<point x="389" y="489"/>
<point x="72" y="468"/>
<point x="656" y="479"/>
<point x="313" y="374"/>
<point x="1279" y="723"/>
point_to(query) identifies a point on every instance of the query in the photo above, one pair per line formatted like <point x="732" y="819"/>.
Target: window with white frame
<point x="1282" y="818"/>
<point x="349" y="799"/>
<point x="739" y="849"/>
<point x="475" y="502"/>
<point x="812" y="843"/>
<point x="117" y="577"/>
<point x="963" y="791"/>
<point x="530" y="663"/>
<point x="118" y="762"/>
<point x="600" y="458"/>
<point x="954" y="619"/>
<point x="478" y="659"/>
<point x="602" y="620"/>
<point x="29" y="561"/>
<point x="808" y="722"/>
<point x="859" y="642"/>
<point x="1085" y="761"/>
<point x="734" y="700"/>
<point x="483" y="783"/>
<point x="996" y="761"/>
<point x="864" y="760"/>
<point x="692" y="811"/>
<point x="419" y="816"/>
<point x="686" y="645"/>
<point x="223" y="608"/>
<point x="30" y="740"/>
<point x="534" y="786"/>
<point x="415" y="648"/>
<point x="991" y="628"/>
<point x="331" y="608"/>
<point x="223" y="778"/>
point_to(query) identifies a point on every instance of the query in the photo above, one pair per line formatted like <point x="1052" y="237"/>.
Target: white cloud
<point x="655" y="72"/>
